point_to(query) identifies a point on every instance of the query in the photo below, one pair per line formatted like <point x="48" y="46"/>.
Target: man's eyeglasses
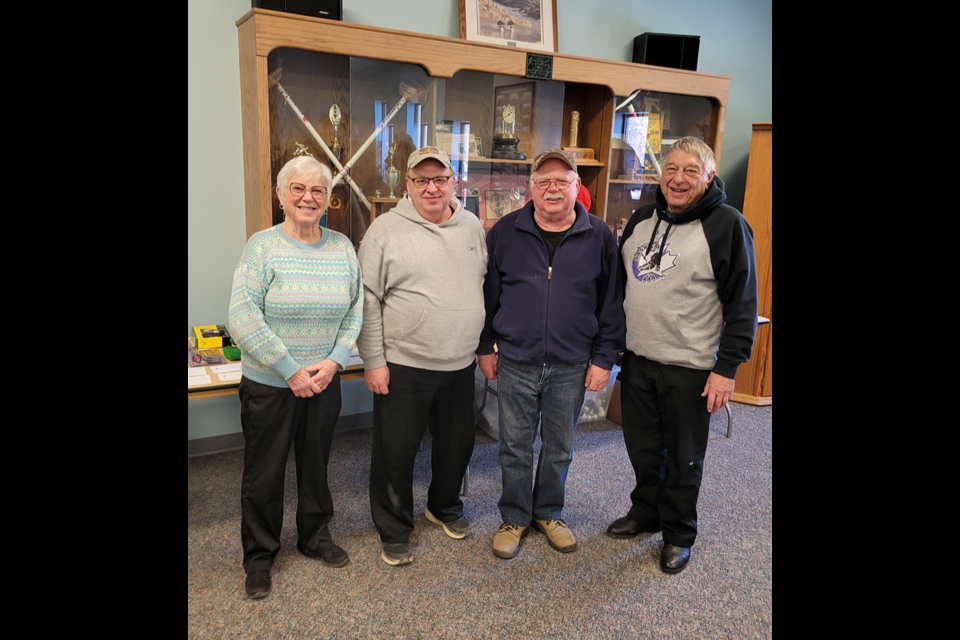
<point x="299" y="190"/>
<point x="543" y="185"/>
<point x="440" y="181"/>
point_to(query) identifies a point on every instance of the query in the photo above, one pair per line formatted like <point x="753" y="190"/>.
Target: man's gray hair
<point x="698" y="148"/>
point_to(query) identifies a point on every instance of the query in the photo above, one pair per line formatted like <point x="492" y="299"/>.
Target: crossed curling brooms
<point x="409" y="94"/>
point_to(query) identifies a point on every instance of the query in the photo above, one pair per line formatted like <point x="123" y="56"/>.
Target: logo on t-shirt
<point x="650" y="266"/>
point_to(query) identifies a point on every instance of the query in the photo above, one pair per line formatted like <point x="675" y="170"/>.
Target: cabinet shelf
<point x="529" y="161"/>
<point x="642" y="181"/>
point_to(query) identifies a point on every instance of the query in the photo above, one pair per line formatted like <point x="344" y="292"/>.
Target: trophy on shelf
<point x="393" y="176"/>
<point x="504" y="141"/>
<point x="580" y="153"/>
<point x="302" y="150"/>
<point x="335" y="119"/>
<point x="517" y="194"/>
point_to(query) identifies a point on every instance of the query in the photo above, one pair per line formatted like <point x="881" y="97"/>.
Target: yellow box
<point x="211" y="336"/>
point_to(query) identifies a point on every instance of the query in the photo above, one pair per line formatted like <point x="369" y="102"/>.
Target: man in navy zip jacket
<point x="554" y="309"/>
<point x="690" y="300"/>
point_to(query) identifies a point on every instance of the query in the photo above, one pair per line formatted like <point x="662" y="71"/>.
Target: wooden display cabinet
<point x="360" y="68"/>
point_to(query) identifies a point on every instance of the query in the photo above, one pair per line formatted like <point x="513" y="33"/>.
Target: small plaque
<point x="580" y="153"/>
<point x="539" y="67"/>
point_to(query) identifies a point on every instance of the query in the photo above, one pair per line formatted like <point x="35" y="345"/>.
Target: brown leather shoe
<point x="558" y="534"/>
<point x="506" y="543"/>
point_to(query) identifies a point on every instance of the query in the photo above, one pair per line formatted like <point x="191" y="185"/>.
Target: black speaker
<point x="329" y="9"/>
<point x="667" y="50"/>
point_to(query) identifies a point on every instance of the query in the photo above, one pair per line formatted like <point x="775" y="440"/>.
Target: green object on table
<point x="231" y="353"/>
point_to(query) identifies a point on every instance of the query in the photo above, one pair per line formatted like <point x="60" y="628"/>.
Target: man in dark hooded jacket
<point x="690" y="298"/>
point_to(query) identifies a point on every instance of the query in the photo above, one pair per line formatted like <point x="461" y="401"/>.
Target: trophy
<point x="393" y="176"/>
<point x="517" y="194"/>
<point x="580" y="153"/>
<point x="335" y="119"/>
<point x="504" y="141"/>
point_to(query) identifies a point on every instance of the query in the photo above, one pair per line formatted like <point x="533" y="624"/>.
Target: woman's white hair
<point x="307" y="167"/>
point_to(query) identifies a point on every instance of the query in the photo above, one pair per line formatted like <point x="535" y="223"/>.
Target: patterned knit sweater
<point x="294" y="304"/>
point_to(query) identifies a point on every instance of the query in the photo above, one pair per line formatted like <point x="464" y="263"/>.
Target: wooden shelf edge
<point x="758" y="401"/>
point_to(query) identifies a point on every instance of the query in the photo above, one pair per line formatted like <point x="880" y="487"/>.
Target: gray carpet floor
<point x="459" y="589"/>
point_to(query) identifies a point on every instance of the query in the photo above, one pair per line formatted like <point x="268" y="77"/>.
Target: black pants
<point x="420" y="397"/>
<point x="665" y="428"/>
<point x="272" y="420"/>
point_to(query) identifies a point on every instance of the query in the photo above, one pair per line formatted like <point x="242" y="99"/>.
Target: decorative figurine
<point x="335" y="119"/>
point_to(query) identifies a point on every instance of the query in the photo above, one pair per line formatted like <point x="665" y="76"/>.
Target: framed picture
<point x="521" y="97"/>
<point x="498" y="203"/>
<point x="525" y="24"/>
<point x="474" y="146"/>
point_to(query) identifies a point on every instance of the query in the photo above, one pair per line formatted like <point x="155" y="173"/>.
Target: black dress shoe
<point x="334" y="556"/>
<point x="331" y="555"/>
<point x="258" y="584"/>
<point x="673" y="559"/>
<point x="623" y="528"/>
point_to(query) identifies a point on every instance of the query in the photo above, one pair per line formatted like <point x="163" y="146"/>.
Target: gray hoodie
<point x="423" y="289"/>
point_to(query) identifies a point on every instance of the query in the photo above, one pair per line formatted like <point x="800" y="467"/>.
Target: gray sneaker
<point x="395" y="554"/>
<point x="458" y="529"/>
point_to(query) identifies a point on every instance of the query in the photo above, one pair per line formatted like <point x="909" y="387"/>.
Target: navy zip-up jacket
<point x="567" y="312"/>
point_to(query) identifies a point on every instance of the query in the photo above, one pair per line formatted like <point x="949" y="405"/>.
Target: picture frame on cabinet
<point x="511" y="23"/>
<point x="498" y="203"/>
<point x="520" y="96"/>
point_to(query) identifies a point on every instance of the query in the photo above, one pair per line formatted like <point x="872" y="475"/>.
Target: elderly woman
<point x="295" y="312"/>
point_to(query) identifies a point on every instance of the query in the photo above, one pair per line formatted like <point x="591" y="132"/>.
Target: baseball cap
<point x="558" y="154"/>
<point x="428" y="153"/>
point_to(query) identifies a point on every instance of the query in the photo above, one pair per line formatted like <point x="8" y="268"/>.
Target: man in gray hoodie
<point x="423" y="265"/>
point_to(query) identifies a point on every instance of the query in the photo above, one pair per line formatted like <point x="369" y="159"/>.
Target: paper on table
<point x="193" y="381"/>
<point x="229" y="376"/>
<point x="224" y="368"/>
<point x="198" y="371"/>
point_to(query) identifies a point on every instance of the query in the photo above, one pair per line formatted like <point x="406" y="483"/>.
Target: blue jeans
<point x="552" y="396"/>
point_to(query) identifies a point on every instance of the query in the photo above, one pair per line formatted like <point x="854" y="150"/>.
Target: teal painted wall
<point x="736" y="39"/>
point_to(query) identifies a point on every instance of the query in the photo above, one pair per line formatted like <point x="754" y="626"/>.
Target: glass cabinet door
<point x="372" y="114"/>
<point x="645" y="125"/>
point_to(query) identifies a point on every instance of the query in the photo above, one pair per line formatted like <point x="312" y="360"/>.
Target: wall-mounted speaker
<point x="329" y="9"/>
<point x="667" y="50"/>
